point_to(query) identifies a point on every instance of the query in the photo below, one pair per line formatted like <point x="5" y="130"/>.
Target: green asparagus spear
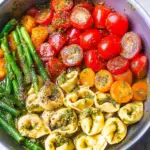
<point x="10" y="130"/>
<point x="9" y="119"/>
<point x="29" y="60"/>
<point x="22" y="59"/>
<point x="3" y="84"/>
<point x="8" y="27"/>
<point x="35" y="56"/>
<point x="8" y="84"/>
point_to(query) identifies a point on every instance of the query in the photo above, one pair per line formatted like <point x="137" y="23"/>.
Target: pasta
<point x="68" y="81"/>
<point x="131" y="112"/>
<point x="82" y="97"/>
<point x="92" y="121"/>
<point x="114" y="130"/>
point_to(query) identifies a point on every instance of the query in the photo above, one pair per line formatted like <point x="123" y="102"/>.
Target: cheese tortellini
<point x="68" y="81"/>
<point x="82" y="97"/>
<point x="63" y="120"/>
<point x="131" y="112"/>
<point x="85" y="142"/>
<point x="114" y="130"/>
<point x="58" y="142"/>
<point x="105" y="103"/>
<point x="32" y="126"/>
<point x="50" y="96"/>
<point x="92" y="121"/>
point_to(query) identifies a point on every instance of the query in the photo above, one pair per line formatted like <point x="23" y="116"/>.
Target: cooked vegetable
<point x="140" y="90"/>
<point x="87" y="77"/>
<point x="121" y="91"/>
<point x="1" y="53"/>
<point x="2" y="69"/>
<point x="103" y="80"/>
<point x="12" y="44"/>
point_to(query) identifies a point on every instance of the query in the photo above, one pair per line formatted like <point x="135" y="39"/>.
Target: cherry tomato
<point x="109" y="47"/>
<point x="131" y="45"/>
<point x="32" y="11"/>
<point x="46" y="51"/>
<point x="118" y="65"/>
<point x="93" y="60"/>
<point x="61" y="5"/>
<point x="44" y="17"/>
<point x="55" y="67"/>
<point x="117" y="23"/>
<point x="86" y="5"/>
<point x="72" y="55"/>
<point x="139" y="66"/>
<point x="57" y="40"/>
<point x="81" y="18"/>
<point x="61" y="20"/>
<point x="90" y="38"/>
<point x="104" y="32"/>
<point x="100" y="15"/>
<point x="74" y="36"/>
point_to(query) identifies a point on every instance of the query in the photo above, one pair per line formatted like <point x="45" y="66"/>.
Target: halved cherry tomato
<point x="139" y="66"/>
<point x="1" y="53"/>
<point x="61" y="20"/>
<point x="131" y="45"/>
<point x="117" y="23"/>
<point x="55" y="67"/>
<point x="118" y="65"/>
<point x="51" y="28"/>
<point x="93" y="60"/>
<point x="61" y="5"/>
<point x="46" y="51"/>
<point x="87" y="5"/>
<point x="44" y="17"/>
<point x="57" y="40"/>
<point x="109" y="47"/>
<point x="104" y="32"/>
<point x="100" y="15"/>
<point x="90" y="38"/>
<point x="32" y="11"/>
<point x="81" y="18"/>
<point x="74" y="36"/>
<point x="72" y="55"/>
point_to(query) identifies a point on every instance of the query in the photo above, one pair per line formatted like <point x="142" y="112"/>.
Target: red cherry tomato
<point x="74" y="36"/>
<point x="118" y="65"/>
<point x="109" y="47"/>
<point x="61" y="5"/>
<point x="32" y="11"/>
<point x="61" y="20"/>
<point x="90" y="38"/>
<point x="117" y="23"/>
<point x="81" y="18"/>
<point x="104" y="32"/>
<point x="55" y="67"/>
<point x="46" y="51"/>
<point x="131" y="45"/>
<point x="93" y="60"/>
<point x="44" y="17"/>
<point x="57" y="40"/>
<point x="72" y="55"/>
<point x="139" y="66"/>
<point x="100" y="15"/>
<point x="86" y="5"/>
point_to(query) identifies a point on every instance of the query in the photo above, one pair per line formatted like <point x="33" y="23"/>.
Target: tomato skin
<point x="117" y="23"/>
<point x="104" y="32"/>
<point x="109" y="47"/>
<point x="100" y="15"/>
<point x="118" y="65"/>
<point x="46" y="51"/>
<point x="131" y="45"/>
<point x="72" y="55"/>
<point x="32" y="11"/>
<point x="93" y="60"/>
<point x="61" y="20"/>
<point x="81" y="18"/>
<point x="73" y="36"/>
<point x="61" y="5"/>
<point x="55" y="67"/>
<point x="57" y="40"/>
<point x="139" y="66"/>
<point x="44" y="17"/>
<point x="90" y="38"/>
